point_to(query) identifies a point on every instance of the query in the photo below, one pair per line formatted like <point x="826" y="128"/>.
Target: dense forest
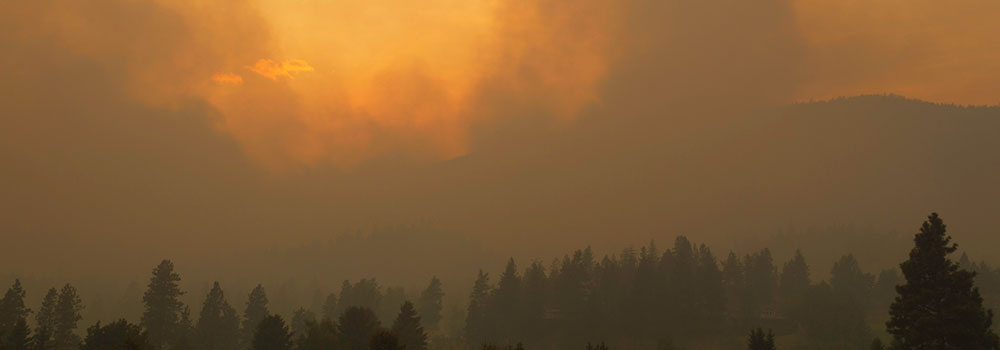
<point x="680" y="297"/>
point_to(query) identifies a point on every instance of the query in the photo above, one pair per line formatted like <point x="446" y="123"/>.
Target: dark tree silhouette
<point x="184" y="334"/>
<point x="319" y="336"/>
<point x="761" y="282"/>
<point x="758" y="340"/>
<point x="830" y="320"/>
<point x="272" y="334"/>
<point x="67" y="314"/>
<point x="118" y="335"/>
<point x="938" y="307"/>
<point x="847" y="280"/>
<point x="18" y="337"/>
<point x="330" y="306"/>
<point x="218" y="324"/>
<point x="163" y="308"/>
<point x="300" y="320"/>
<point x="45" y="321"/>
<point x="254" y="313"/>
<point x="365" y="293"/>
<point x="384" y="340"/>
<point x="507" y="303"/>
<point x="407" y="328"/>
<point x="476" y="327"/>
<point x="534" y="299"/>
<point x="430" y="304"/>
<point x="793" y="282"/>
<point x="12" y="308"/>
<point x="356" y="327"/>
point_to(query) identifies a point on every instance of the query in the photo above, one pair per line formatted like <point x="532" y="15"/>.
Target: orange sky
<point x="309" y="82"/>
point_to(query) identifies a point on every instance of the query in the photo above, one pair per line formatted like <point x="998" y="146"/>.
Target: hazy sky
<point x="184" y="128"/>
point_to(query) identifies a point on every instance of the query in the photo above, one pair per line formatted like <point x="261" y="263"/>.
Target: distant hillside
<point x="878" y="163"/>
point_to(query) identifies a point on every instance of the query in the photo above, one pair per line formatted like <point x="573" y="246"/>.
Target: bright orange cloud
<point x="274" y="70"/>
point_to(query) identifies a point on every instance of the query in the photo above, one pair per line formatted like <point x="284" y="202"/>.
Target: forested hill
<point x="872" y="162"/>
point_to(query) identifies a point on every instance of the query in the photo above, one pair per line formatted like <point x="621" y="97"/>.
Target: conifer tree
<point x="407" y="328"/>
<point x="218" y="324"/>
<point x="163" y="308"/>
<point x="794" y="281"/>
<point x="535" y="298"/>
<point x="272" y="334"/>
<point x="710" y="294"/>
<point x="330" y="307"/>
<point x="939" y="306"/>
<point x="18" y="337"/>
<point x="254" y="313"/>
<point x="67" y="314"/>
<point x="506" y="303"/>
<point x="45" y="321"/>
<point x="12" y="308"/>
<point x="318" y="336"/>
<point x="848" y="280"/>
<point x="118" y="335"/>
<point x="384" y="340"/>
<point x="476" y="317"/>
<point x="184" y="336"/>
<point x="430" y="304"/>
<point x="760" y="341"/>
<point x="301" y="318"/>
<point x="356" y="327"/>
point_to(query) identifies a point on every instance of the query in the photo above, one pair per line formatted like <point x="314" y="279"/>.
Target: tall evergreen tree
<point x="505" y="310"/>
<point x="67" y="314"/>
<point x="761" y="282"/>
<point x="939" y="306"/>
<point x="12" y="308"/>
<point x="118" y="335"/>
<point x="407" y="328"/>
<point x="710" y="294"/>
<point x="793" y="282"/>
<point x="319" y="336"/>
<point x="301" y="318"/>
<point x="218" y="324"/>
<point x="330" y="307"/>
<point x="184" y="336"/>
<point x="476" y="318"/>
<point x="18" y="337"/>
<point x="45" y="321"/>
<point x="254" y="313"/>
<point x="272" y="334"/>
<point x="848" y="280"/>
<point x="163" y="307"/>
<point x="535" y="298"/>
<point x="430" y="304"/>
<point x="356" y="327"/>
<point x="760" y="341"/>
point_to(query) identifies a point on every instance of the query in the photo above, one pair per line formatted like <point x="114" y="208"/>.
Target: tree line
<point x="346" y="322"/>
<point x="677" y="298"/>
<point x="686" y="297"/>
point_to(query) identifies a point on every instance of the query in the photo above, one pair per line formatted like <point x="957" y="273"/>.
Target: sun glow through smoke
<point x="389" y="76"/>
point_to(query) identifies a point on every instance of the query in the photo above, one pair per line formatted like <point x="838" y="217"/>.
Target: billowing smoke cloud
<point x="139" y="129"/>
